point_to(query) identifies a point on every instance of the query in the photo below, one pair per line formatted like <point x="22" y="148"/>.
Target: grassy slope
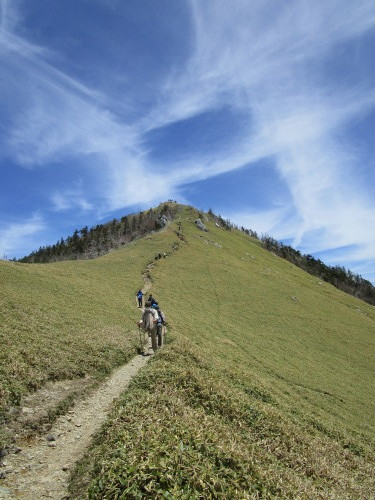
<point x="68" y="319"/>
<point x="267" y="389"/>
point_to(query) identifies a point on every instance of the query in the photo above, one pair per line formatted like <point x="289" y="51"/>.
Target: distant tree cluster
<point x="88" y="243"/>
<point x="338" y="276"/>
<point x="225" y="223"/>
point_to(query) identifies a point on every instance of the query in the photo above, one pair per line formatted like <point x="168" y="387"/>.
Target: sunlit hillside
<point x="265" y="387"/>
<point x="67" y="319"/>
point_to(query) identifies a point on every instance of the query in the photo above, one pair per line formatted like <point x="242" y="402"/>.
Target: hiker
<point x="148" y="323"/>
<point x="152" y="300"/>
<point x="139" y="297"/>
<point x="160" y="325"/>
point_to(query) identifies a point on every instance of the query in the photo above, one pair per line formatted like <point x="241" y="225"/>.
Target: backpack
<point x="148" y="320"/>
<point x="162" y="319"/>
<point x="152" y="300"/>
<point x="139" y="295"/>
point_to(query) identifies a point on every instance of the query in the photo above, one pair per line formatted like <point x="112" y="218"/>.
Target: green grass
<point x="186" y="430"/>
<point x="266" y="389"/>
<point x="305" y="339"/>
<point x="69" y="319"/>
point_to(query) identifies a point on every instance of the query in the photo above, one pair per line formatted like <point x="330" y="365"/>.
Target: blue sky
<point x="263" y="111"/>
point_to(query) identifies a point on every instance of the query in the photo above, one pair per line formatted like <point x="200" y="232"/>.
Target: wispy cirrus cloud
<point x="272" y="61"/>
<point x="282" y="66"/>
<point x="16" y="236"/>
<point x="56" y="119"/>
<point x="65" y="200"/>
<point x="9" y="15"/>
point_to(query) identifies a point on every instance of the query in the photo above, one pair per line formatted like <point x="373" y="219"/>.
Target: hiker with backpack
<point x="152" y="300"/>
<point x="148" y="323"/>
<point x="139" y="295"/>
<point x="160" y="325"/>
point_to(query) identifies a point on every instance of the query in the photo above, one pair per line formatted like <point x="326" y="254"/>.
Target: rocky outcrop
<point x="200" y="225"/>
<point x="161" y="222"/>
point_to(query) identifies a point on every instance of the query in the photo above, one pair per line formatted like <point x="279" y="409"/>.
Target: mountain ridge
<point x="260" y="391"/>
<point x="103" y="238"/>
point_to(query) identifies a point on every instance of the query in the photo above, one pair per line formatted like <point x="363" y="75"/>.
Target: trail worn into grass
<point x="41" y="468"/>
<point x="146" y="278"/>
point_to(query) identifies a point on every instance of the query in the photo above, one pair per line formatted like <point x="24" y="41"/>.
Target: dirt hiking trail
<point x="41" y="469"/>
<point x="42" y="466"/>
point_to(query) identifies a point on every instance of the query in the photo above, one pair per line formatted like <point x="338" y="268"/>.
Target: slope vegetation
<point x="266" y="389"/>
<point x="67" y="320"/>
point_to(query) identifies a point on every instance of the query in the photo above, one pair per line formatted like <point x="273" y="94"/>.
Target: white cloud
<point x="264" y="58"/>
<point x="66" y="200"/>
<point x="57" y="118"/>
<point x="9" y="16"/>
<point x="268" y="60"/>
<point x="277" y="222"/>
<point x="16" y="236"/>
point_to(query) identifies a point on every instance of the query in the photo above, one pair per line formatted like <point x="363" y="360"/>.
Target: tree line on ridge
<point x="90" y="243"/>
